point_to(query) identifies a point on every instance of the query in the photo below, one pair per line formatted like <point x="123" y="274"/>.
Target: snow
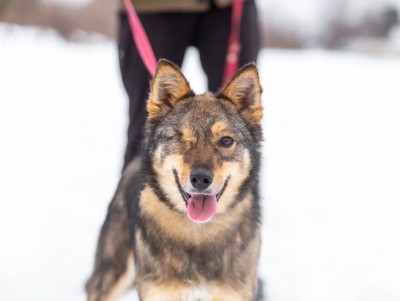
<point x="330" y="175"/>
<point x="311" y="18"/>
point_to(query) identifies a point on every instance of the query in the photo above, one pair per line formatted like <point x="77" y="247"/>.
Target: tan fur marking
<point x="221" y="129"/>
<point x="172" y="291"/>
<point x="253" y="114"/>
<point x="189" y="137"/>
<point x="165" y="175"/>
<point x="222" y="293"/>
<point x="237" y="173"/>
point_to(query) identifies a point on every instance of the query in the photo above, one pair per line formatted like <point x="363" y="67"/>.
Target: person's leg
<point x="212" y="40"/>
<point x="169" y="35"/>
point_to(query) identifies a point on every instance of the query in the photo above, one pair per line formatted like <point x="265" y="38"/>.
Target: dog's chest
<point x="199" y="293"/>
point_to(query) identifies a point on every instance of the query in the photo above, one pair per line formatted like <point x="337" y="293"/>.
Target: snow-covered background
<point x="330" y="174"/>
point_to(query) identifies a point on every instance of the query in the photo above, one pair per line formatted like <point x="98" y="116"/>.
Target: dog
<point x="184" y="224"/>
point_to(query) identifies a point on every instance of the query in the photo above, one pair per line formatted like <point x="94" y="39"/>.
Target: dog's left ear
<point x="244" y="91"/>
<point x="167" y="88"/>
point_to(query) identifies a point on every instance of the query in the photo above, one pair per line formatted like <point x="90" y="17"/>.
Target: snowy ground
<point x="331" y="172"/>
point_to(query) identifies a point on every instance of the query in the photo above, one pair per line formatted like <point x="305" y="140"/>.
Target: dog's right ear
<point x="167" y="88"/>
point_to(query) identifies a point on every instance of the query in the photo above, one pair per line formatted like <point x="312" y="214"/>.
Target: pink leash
<point x="147" y="54"/>
<point x="141" y="39"/>
<point x="232" y="57"/>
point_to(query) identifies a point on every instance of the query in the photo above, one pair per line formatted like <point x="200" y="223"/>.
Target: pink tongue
<point x="201" y="207"/>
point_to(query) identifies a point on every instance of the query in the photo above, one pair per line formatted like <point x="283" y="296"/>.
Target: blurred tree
<point x="3" y="5"/>
<point x="98" y="16"/>
<point x="389" y="19"/>
<point x="15" y="11"/>
<point x="342" y="27"/>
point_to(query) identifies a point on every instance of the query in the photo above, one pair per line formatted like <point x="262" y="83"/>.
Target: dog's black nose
<point x="201" y="178"/>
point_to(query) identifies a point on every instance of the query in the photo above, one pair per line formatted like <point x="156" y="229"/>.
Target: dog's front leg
<point x="114" y="267"/>
<point x="114" y="264"/>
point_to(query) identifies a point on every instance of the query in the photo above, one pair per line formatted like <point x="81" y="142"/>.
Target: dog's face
<point x="201" y="146"/>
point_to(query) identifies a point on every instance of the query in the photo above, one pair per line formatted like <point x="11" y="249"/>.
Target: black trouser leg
<point x="136" y="81"/>
<point x="212" y="40"/>
<point x="169" y="35"/>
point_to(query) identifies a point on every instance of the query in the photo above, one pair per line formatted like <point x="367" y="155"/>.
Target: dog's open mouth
<point x="201" y="207"/>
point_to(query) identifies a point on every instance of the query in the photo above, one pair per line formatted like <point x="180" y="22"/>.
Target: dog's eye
<point x="226" y="141"/>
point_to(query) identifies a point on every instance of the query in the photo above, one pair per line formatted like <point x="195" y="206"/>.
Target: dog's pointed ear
<point x="244" y="91"/>
<point x="167" y="88"/>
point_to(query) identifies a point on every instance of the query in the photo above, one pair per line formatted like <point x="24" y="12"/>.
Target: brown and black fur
<point x="147" y="240"/>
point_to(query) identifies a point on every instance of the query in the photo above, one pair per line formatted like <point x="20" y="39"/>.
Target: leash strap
<point x="141" y="39"/>
<point x="232" y="57"/>
<point x="146" y="51"/>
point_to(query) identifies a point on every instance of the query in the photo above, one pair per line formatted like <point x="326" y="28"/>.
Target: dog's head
<point x="203" y="149"/>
